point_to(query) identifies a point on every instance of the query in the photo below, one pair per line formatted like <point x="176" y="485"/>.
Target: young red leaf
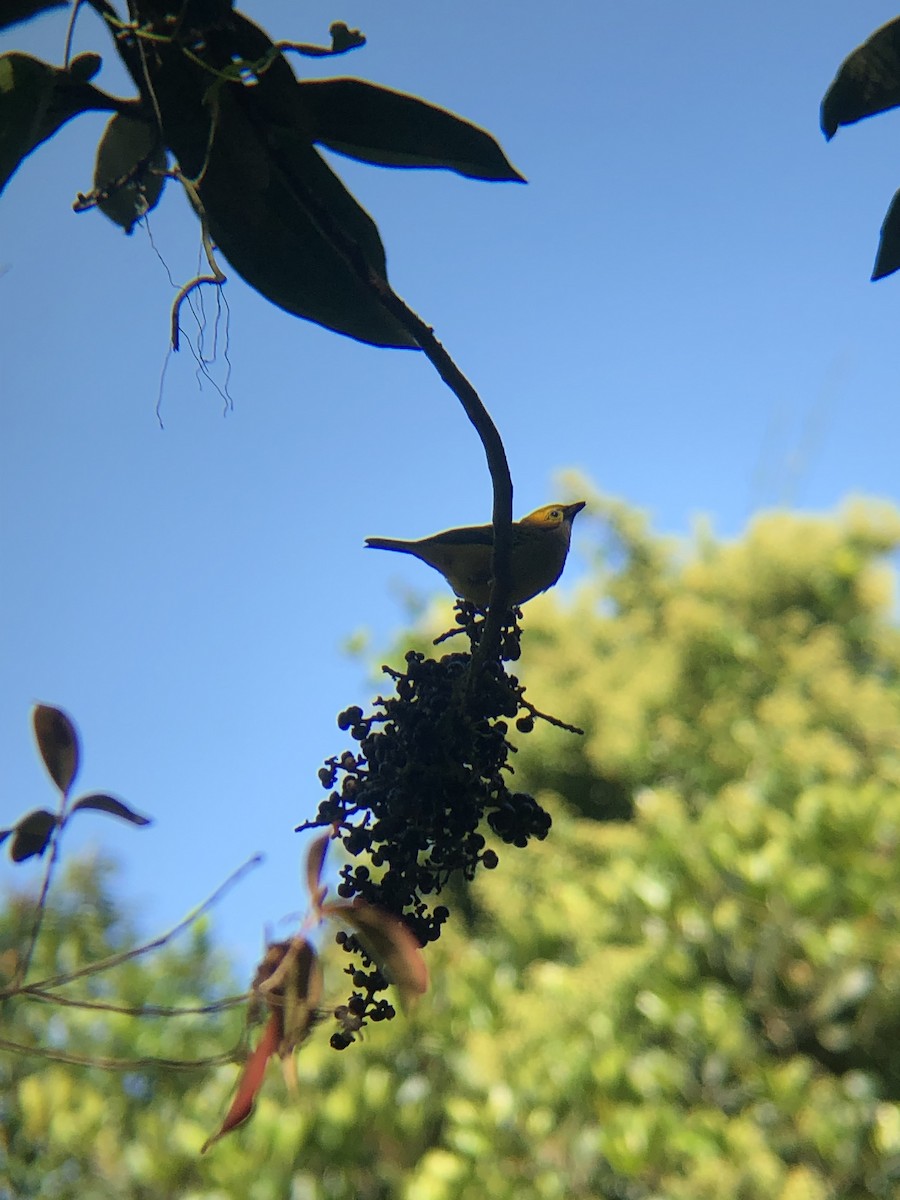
<point x="57" y="741"/>
<point x="100" y="802"/>
<point x="32" y="835"/>
<point x="289" y="979"/>
<point x="315" y="861"/>
<point x="391" y="945"/>
<point x="251" y="1080"/>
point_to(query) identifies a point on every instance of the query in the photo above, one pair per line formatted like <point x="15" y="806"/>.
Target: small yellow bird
<point x="463" y="556"/>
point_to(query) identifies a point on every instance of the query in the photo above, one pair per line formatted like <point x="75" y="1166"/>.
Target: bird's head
<point x="552" y="516"/>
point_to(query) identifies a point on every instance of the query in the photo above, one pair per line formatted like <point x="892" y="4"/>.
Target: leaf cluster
<point x="58" y="744"/>
<point x="219" y="108"/>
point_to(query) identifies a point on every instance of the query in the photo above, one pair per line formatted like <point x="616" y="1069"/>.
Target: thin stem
<point x="124" y="1064"/>
<point x="70" y="33"/>
<point x="495" y="453"/>
<point x="114" y="960"/>
<point x="41" y="905"/>
<point x="139" y="1010"/>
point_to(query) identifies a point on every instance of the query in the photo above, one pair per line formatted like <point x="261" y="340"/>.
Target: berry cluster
<point x="428" y="781"/>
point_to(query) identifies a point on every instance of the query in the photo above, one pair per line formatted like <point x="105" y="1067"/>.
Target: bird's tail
<point x="376" y="543"/>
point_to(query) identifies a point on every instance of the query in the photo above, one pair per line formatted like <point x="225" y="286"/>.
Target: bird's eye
<point x="556" y="514"/>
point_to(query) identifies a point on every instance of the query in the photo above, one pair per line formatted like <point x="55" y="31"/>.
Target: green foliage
<point x="694" y="1003"/>
<point x="72" y="1131"/>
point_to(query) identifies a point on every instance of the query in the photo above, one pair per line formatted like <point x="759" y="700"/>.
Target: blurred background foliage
<point x="688" y="992"/>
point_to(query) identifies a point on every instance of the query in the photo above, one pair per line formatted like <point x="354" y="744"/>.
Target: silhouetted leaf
<point x="32" y="834"/>
<point x="887" y="260"/>
<point x="393" y="129"/>
<point x="867" y="82"/>
<point x="250" y="1082"/>
<point x="273" y="206"/>
<point x="129" y="167"/>
<point x="100" y="802"/>
<point x="389" y="943"/>
<point x="57" y="741"/>
<point x="85" y="66"/>
<point x="23" y="10"/>
<point x="344" y="39"/>
<point x="5" y="833"/>
<point x="35" y="100"/>
<point x="289" y="979"/>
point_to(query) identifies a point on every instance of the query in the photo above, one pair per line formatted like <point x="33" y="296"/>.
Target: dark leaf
<point x="278" y="213"/>
<point x="85" y="66"/>
<point x="250" y="1082"/>
<point x="4" y="834"/>
<point x="392" y="129"/>
<point x="129" y="170"/>
<point x="32" y="835"/>
<point x="391" y="945"/>
<point x="887" y="260"/>
<point x="57" y="741"/>
<point x="100" y="802"/>
<point x="35" y="100"/>
<point x="867" y="82"/>
<point x="23" y="10"/>
<point x="344" y="39"/>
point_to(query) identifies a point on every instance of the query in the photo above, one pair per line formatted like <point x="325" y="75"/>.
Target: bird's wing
<point x="472" y="535"/>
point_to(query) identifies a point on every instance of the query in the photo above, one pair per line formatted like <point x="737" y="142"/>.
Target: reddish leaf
<point x="100" y="802"/>
<point x="393" y="948"/>
<point x="251" y="1080"/>
<point x="289" y="979"/>
<point x="315" y="861"/>
<point x="57" y="741"/>
<point x="31" y="835"/>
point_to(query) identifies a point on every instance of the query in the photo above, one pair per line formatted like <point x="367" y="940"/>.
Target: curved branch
<point x="493" y="448"/>
<point x="423" y="335"/>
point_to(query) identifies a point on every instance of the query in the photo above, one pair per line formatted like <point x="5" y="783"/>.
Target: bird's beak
<point x="571" y="510"/>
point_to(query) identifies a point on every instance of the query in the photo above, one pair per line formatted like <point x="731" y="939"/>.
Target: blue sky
<point x="677" y="304"/>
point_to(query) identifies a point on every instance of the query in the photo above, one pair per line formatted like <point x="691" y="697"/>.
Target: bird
<point x="540" y="544"/>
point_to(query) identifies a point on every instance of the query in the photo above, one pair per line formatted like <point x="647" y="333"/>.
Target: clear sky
<point x="677" y="304"/>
